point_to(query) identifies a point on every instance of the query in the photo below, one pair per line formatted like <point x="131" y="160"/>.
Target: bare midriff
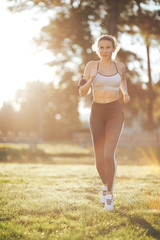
<point x="105" y="96"/>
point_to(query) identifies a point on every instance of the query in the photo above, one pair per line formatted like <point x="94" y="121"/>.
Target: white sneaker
<point x="108" y="202"/>
<point x="104" y="189"/>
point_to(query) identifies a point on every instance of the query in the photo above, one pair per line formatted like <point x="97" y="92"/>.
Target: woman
<point x="105" y="77"/>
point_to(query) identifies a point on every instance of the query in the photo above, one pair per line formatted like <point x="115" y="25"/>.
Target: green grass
<point x="48" y="201"/>
<point x="70" y="152"/>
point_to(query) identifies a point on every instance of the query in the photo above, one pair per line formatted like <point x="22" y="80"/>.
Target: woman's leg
<point x="97" y="128"/>
<point x="113" y="130"/>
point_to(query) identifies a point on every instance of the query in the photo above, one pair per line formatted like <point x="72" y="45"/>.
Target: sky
<point x="21" y="60"/>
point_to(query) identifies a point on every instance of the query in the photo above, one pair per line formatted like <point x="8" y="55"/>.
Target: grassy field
<point x="70" y="152"/>
<point x="62" y="201"/>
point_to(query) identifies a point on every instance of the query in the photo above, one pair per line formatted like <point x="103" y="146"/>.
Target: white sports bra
<point x="105" y="88"/>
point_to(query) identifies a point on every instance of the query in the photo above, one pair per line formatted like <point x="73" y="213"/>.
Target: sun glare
<point x="20" y="59"/>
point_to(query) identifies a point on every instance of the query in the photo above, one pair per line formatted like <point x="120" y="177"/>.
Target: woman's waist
<point x="104" y="104"/>
<point x="105" y="96"/>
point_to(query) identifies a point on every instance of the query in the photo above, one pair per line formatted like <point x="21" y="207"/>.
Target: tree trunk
<point x="150" y="95"/>
<point x="113" y="17"/>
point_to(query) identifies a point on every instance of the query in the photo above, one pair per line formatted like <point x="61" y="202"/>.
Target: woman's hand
<point x="126" y="98"/>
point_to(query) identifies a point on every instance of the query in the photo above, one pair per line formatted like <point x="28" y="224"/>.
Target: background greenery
<point x="70" y="152"/>
<point x="69" y="35"/>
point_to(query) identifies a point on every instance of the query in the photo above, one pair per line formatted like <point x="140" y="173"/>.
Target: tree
<point x="7" y="118"/>
<point x="69" y="34"/>
<point x="41" y="105"/>
<point x="148" y="25"/>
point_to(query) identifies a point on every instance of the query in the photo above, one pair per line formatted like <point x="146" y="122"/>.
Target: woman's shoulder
<point x="92" y="63"/>
<point x="120" y="65"/>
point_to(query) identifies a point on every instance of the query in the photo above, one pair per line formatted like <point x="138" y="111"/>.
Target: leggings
<point x="106" y="125"/>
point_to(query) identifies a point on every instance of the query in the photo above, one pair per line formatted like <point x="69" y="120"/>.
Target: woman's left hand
<point x="126" y="98"/>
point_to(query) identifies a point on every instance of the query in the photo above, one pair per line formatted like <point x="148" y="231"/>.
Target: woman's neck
<point x="106" y="61"/>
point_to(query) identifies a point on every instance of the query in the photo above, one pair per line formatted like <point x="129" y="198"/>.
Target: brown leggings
<point x="106" y="125"/>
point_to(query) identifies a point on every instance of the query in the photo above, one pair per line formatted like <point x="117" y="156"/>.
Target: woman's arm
<point x="86" y="80"/>
<point x="123" y="85"/>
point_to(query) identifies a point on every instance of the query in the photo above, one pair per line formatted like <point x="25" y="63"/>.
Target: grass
<point x="62" y="202"/>
<point x="70" y="152"/>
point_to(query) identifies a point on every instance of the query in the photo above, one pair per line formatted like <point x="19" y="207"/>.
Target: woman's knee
<point x="109" y="158"/>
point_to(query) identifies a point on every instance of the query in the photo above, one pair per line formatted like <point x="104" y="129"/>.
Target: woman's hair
<point x="116" y="45"/>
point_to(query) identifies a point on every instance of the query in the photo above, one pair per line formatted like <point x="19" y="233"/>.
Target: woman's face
<point x="105" y="49"/>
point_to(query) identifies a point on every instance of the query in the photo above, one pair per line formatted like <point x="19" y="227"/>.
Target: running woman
<point x="105" y="77"/>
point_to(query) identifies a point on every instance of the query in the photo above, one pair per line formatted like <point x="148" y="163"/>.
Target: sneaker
<point x="104" y="189"/>
<point x="108" y="202"/>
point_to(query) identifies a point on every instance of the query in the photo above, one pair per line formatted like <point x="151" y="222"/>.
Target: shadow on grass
<point x="146" y="225"/>
<point x="139" y="220"/>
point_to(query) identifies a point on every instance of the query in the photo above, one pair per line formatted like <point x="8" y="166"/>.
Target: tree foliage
<point x="70" y="35"/>
<point x="41" y="102"/>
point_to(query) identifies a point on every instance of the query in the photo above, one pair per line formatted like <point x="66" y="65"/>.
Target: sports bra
<point x="105" y="88"/>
